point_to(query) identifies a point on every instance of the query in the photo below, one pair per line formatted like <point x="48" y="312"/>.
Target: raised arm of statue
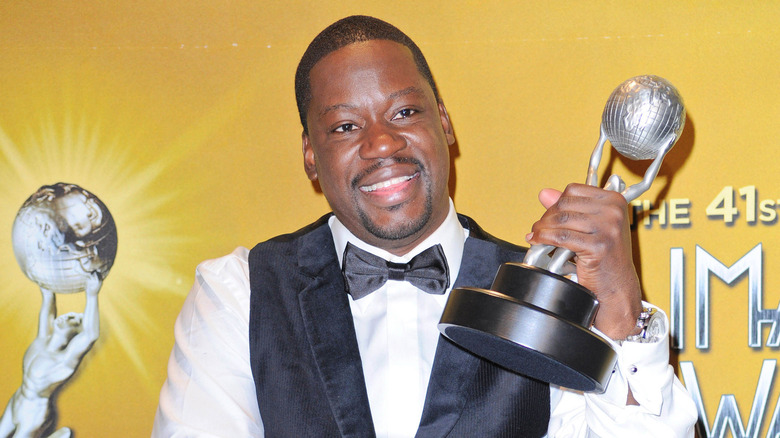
<point x="48" y="313"/>
<point x="90" y="324"/>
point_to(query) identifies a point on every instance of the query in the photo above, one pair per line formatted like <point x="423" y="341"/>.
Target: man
<point x="270" y="342"/>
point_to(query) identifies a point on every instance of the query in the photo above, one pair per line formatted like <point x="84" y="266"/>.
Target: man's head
<point x="378" y="142"/>
<point x="346" y="31"/>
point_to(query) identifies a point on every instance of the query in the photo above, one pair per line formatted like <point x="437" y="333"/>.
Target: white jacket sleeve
<point x="209" y="391"/>
<point x="665" y="410"/>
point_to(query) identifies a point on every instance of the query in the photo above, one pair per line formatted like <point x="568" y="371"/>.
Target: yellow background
<point x="180" y="116"/>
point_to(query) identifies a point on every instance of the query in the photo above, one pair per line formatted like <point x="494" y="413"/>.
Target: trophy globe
<point x="642" y="115"/>
<point x="61" y="235"/>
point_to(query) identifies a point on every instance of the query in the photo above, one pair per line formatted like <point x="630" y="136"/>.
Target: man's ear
<point x="445" y="124"/>
<point x="309" y="163"/>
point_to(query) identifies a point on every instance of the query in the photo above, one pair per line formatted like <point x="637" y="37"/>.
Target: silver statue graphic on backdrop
<point x="535" y="319"/>
<point x="65" y="240"/>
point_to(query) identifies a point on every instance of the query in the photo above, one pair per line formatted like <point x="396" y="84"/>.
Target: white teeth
<point x="383" y="184"/>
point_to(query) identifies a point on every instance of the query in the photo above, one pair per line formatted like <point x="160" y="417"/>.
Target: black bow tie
<point x="365" y="272"/>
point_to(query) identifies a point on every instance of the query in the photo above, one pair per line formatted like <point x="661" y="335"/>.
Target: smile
<point x="387" y="184"/>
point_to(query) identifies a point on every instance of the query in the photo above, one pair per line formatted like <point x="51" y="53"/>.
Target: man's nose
<point x="381" y="141"/>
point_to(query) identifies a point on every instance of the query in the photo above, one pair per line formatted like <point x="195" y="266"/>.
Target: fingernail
<point x="529" y="236"/>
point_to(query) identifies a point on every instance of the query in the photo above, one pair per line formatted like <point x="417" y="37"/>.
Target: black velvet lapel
<point x="331" y="332"/>
<point x="454" y="368"/>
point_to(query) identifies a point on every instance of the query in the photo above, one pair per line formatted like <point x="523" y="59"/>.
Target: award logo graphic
<point x="65" y="241"/>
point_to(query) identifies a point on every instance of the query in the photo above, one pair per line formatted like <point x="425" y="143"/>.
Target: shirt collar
<point x="450" y="235"/>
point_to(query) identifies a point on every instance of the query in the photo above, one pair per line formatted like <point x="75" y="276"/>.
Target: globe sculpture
<point x="641" y="115"/>
<point x="61" y="235"/>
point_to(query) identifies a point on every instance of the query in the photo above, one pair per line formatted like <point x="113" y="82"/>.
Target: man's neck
<point x="450" y="234"/>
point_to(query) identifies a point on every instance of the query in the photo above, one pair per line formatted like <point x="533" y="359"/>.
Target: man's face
<point x="378" y="143"/>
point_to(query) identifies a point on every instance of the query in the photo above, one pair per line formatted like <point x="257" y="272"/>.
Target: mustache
<point x="384" y="163"/>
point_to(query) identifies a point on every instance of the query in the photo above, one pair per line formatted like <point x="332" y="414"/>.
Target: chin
<point x="397" y="228"/>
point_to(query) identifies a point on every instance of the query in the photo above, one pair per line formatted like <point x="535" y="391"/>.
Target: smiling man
<point x="378" y="141"/>
<point x="332" y="330"/>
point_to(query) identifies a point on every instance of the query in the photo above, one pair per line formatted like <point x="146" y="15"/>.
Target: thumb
<point x="548" y="197"/>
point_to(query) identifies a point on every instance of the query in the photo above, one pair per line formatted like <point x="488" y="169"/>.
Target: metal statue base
<point x="535" y="323"/>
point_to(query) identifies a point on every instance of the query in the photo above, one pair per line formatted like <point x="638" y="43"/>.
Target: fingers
<point x="593" y="223"/>
<point x="582" y="218"/>
<point x="94" y="283"/>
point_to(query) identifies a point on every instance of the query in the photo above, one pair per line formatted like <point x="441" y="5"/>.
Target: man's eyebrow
<point x="335" y="107"/>
<point x="391" y="96"/>
<point x="406" y="91"/>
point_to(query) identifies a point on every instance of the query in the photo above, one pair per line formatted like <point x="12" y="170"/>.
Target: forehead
<point x="364" y="69"/>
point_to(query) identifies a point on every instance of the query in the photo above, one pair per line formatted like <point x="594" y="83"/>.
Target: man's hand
<point x="593" y="223"/>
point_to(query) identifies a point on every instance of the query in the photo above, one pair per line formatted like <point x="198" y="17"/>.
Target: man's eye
<point x="347" y="127"/>
<point x="404" y="113"/>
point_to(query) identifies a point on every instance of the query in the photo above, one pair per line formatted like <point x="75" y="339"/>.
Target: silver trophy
<point x="535" y="319"/>
<point x="65" y="240"/>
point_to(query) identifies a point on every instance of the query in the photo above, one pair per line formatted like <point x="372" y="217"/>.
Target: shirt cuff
<point x="642" y="367"/>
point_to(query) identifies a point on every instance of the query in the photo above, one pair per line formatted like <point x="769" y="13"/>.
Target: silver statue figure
<point x="643" y="118"/>
<point x="65" y="240"/>
<point x="49" y="361"/>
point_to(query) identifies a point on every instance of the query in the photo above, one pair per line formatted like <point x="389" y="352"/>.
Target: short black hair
<point x="342" y="33"/>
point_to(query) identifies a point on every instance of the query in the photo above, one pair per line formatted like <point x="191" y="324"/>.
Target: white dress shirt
<point x="210" y="389"/>
<point x="396" y="328"/>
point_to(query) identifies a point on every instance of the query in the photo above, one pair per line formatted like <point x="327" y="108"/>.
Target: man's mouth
<point x="387" y="184"/>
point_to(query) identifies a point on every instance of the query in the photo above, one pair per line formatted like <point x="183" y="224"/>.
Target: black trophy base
<point x="535" y="323"/>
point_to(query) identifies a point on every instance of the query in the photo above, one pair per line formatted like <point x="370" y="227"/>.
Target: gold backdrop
<point x="180" y="116"/>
